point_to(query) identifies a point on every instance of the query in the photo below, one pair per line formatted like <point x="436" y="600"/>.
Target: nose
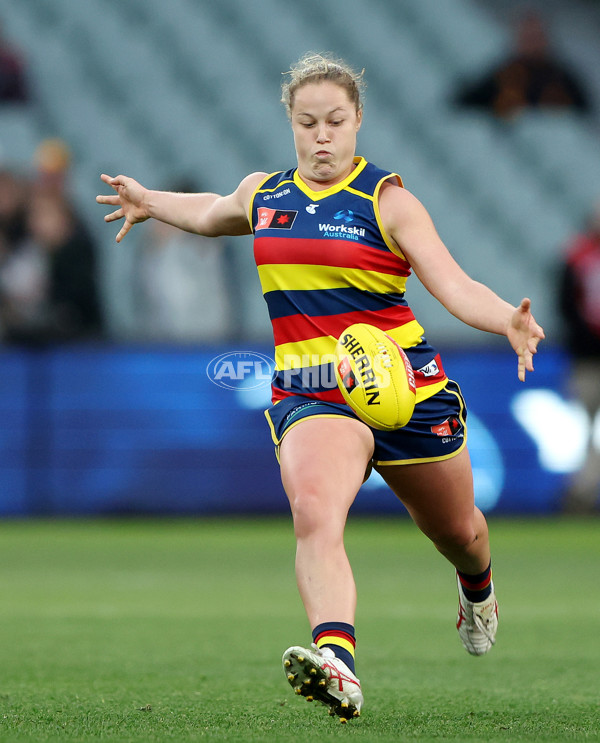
<point x="323" y="134"/>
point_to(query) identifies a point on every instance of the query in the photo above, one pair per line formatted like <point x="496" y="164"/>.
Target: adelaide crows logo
<point x="277" y="219"/>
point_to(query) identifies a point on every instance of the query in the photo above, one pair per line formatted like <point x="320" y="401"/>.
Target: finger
<point x="109" y="199"/>
<point x="118" y="214"/>
<point x="124" y="230"/>
<point x="525" y="305"/>
<point x="114" y="182"/>
<point x="521" y="368"/>
<point x="529" y="361"/>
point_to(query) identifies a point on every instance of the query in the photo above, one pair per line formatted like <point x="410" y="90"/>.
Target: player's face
<point x="325" y="124"/>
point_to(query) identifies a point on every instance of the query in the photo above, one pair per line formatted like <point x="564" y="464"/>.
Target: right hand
<point x="130" y="200"/>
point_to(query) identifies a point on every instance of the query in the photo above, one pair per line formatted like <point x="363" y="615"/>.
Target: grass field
<point x="173" y="631"/>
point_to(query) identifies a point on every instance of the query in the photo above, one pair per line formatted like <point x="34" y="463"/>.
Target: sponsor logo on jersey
<point x="341" y="230"/>
<point x="430" y="369"/>
<point x="346" y="214"/>
<point x="278" y="195"/>
<point x="312" y="208"/>
<point x="278" y="219"/>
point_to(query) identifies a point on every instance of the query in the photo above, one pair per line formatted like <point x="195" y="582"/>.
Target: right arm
<point x="204" y="213"/>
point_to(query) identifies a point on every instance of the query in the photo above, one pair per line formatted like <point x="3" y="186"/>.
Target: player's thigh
<point x="438" y="495"/>
<point x="323" y="462"/>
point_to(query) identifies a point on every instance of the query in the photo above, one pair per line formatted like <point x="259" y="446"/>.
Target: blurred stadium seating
<point x="190" y="88"/>
<point x="157" y="90"/>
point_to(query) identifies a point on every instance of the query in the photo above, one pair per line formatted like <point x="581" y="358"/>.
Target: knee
<point x="306" y="512"/>
<point x="313" y="518"/>
<point x="459" y="536"/>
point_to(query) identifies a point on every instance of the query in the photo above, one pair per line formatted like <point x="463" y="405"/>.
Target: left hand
<point x="524" y="334"/>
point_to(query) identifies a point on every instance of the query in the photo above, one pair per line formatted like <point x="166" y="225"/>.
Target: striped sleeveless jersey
<point x="325" y="263"/>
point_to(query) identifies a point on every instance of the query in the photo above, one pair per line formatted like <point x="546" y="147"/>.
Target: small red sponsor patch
<point x="275" y="219"/>
<point x="449" y="427"/>
<point x="442" y="429"/>
<point x="345" y="371"/>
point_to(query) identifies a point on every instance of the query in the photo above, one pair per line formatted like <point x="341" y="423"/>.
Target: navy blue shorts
<point x="436" y="431"/>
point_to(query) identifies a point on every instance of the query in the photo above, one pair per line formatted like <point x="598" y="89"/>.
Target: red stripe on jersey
<point x="422" y="380"/>
<point x="333" y="395"/>
<point x="301" y="327"/>
<point x="331" y="252"/>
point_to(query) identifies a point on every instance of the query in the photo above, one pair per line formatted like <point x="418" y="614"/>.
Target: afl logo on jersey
<point x="277" y="219"/>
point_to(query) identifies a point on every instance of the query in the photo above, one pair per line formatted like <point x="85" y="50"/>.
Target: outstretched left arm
<point x="410" y="227"/>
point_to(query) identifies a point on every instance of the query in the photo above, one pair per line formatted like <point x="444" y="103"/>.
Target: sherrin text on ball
<point x="375" y="377"/>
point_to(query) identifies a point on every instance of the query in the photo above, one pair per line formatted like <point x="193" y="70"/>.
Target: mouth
<point x="321" y="154"/>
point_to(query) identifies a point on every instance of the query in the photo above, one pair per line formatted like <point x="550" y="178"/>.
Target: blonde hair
<point x="316" y="68"/>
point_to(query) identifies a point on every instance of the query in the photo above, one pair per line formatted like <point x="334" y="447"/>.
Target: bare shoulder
<point x="248" y="186"/>
<point x="405" y="219"/>
<point x="393" y="197"/>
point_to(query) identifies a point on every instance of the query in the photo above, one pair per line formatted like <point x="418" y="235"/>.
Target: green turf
<point x="173" y="631"/>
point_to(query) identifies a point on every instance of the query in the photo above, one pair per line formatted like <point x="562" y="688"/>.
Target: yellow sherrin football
<point x="375" y="377"/>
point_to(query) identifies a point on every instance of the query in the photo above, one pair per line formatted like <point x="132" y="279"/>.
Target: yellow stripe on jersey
<point x="388" y="241"/>
<point x="359" y="193"/>
<point x="429" y="390"/>
<point x="321" y="350"/>
<point x="300" y="354"/>
<point x="360" y="163"/>
<point x="275" y="188"/>
<point x="307" y="277"/>
<point x="256" y="191"/>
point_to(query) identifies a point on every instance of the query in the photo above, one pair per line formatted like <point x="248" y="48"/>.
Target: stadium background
<point x="190" y="88"/>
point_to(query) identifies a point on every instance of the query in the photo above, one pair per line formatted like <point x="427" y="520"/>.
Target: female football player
<point x="335" y="241"/>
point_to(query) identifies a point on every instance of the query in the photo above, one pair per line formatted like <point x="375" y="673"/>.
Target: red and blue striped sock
<point x="338" y="636"/>
<point x="476" y="588"/>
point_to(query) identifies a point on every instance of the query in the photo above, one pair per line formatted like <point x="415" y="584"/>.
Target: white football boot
<point x="477" y="623"/>
<point x="318" y="674"/>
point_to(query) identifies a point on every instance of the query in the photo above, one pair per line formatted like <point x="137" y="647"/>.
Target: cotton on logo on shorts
<point x="241" y="370"/>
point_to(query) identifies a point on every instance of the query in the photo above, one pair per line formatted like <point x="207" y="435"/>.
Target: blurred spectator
<point x="181" y="284"/>
<point x="13" y="200"/>
<point x="579" y="295"/>
<point x="52" y="163"/>
<point x="531" y="77"/>
<point x="13" y="84"/>
<point x="48" y="290"/>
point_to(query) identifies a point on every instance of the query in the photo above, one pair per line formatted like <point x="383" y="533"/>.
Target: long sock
<point x="338" y="636"/>
<point x="476" y="587"/>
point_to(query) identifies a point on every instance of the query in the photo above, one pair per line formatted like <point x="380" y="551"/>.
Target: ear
<point x="359" y="117"/>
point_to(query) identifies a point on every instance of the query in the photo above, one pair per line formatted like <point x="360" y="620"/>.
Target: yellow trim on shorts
<point x="277" y="441"/>
<point x="420" y="460"/>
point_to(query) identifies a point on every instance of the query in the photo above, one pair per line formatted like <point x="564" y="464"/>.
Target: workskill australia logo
<point x="344" y="229"/>
<point x="275" y="219"/>
<point x="241" y="370"/>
